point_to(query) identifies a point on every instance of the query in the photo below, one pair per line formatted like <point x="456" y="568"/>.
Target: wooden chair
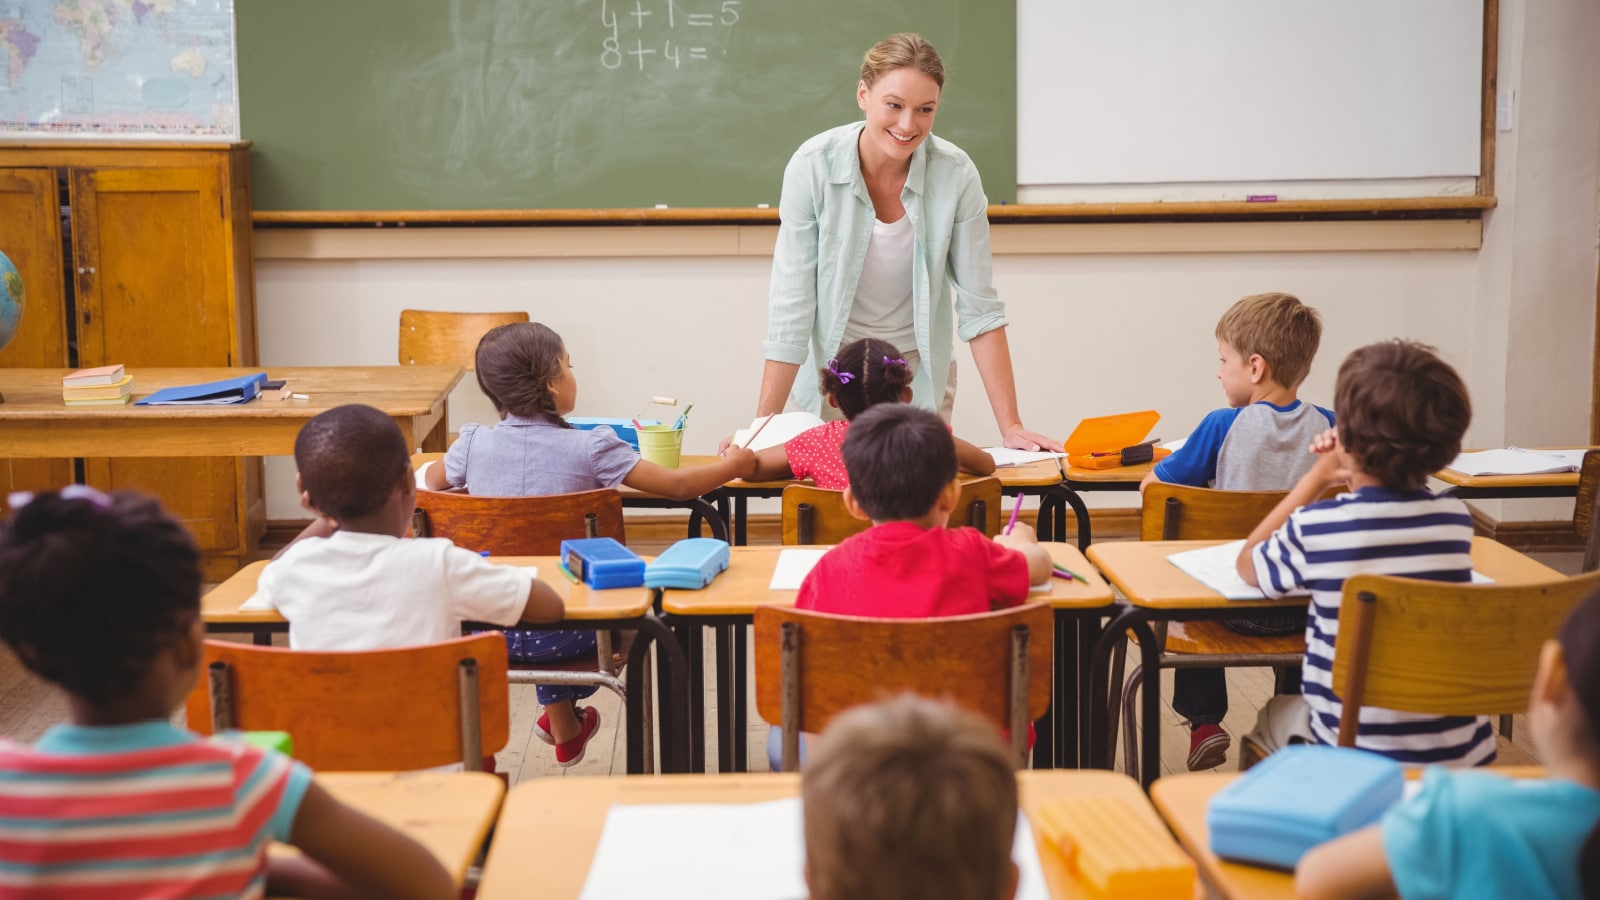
<point x="429" y="338"/>
<point x="1587" y="510"/>
<point x="1175" y="512"/>
<point x="1444" y="649"/>
<point x="811" y="666"/>
<point x="410" y="708"/>
<point x="534" y="526"/>
<point x="813" y="515"/>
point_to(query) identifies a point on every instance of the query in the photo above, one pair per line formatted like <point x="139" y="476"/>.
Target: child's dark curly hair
<point x="865" y="373"/>
<point x="350" y="459"/>
<point x="94" y="587"/>
<point x="516" y="364"/>
<point x="1402" y="411"/>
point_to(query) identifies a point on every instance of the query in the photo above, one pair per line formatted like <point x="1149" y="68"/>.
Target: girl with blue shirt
<point x="1474" y="834"/>
<point x="880" y="222"/>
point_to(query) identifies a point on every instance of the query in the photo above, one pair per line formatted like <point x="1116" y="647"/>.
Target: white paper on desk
<point x="749" y="851"/>
<point x="422" y="474"/>
<point x="255" y="602"/>
<point x="793" y="566"/>
<point x="779" y="429"/>
<point x="1005" y="456"/>
<point x="1176" y="445"/>
<point x="1517" y="461"/>
<point x="1216" y="568"/>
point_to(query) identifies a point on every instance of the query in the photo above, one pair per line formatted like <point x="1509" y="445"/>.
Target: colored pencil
<point x="1015" y="511"/>
<point x="1068" y="572"/>
<point x="567" y="572"/>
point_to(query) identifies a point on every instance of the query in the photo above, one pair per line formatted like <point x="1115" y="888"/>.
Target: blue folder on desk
<point x="211" y="393"/>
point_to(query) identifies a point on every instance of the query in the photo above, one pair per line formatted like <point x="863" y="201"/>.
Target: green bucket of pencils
<point x="660" y="444"/>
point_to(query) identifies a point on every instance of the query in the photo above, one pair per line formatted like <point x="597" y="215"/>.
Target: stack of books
<point x="100" y="386"/>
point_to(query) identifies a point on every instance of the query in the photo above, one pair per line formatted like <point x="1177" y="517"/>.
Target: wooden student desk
<point x="729" y="603"/>
<point x="586" y="610"/>
<point x="448" y="813"/>
<point x="549" y="829"/>
<point x="1182" y="801"/>
<point x="1507" y="487"/>
<point x="34" y="422"/>
<point x="1157" y="590"/>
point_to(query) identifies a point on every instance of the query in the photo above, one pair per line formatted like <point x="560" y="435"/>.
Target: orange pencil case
<point x="1105" y="442"/>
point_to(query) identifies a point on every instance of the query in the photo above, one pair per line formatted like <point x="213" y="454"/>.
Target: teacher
<point x="880" y="223"/>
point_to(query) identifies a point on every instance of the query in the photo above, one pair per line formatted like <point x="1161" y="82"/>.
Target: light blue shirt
<point x="1473" y="834"/>
<point x="826" y="223"/>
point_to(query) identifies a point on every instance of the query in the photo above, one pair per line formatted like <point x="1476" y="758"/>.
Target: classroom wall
<point x="1093" y="332"/>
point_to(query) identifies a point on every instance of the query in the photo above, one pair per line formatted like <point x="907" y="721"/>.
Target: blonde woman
<point x="882" y="225"/>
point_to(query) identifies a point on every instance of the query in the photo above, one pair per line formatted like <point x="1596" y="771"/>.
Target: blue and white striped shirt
<point x="1374" y="531"/>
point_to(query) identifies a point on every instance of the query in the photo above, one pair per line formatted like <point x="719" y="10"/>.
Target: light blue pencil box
<point x="689" y="565"/>
<point x="1298" y="798"/>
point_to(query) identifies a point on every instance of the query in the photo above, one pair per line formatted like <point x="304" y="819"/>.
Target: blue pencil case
<point x="603" y="563"/>
<point x="1298" y="798"/>
<point x="688" y="565"/>
<point x="623" y="427"/>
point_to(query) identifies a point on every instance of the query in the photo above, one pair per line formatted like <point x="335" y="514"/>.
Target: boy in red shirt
<point x="908" y="565"/>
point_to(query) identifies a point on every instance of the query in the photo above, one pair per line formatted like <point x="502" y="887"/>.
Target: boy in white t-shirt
<point x="351" y="581"/>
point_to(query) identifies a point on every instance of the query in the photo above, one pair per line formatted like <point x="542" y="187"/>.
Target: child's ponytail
<point x="865" y="373"/>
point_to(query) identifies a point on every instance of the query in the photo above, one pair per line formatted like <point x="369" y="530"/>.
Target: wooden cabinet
<point x="139" y="254"/>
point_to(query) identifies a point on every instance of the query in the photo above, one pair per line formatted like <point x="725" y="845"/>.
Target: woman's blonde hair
<point x="904" y="50"/>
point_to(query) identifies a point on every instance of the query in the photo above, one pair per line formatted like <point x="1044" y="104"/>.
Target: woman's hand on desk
<point x="1020" y="438"/>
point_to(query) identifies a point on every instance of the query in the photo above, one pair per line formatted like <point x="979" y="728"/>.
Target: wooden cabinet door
<point x="151" y="269"/>
<point x="30" y="236"/>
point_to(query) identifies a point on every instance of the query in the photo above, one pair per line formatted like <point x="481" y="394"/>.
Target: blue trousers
<point x="527" y="645"/>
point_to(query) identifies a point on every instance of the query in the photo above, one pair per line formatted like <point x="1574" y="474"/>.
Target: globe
<point x="10" y="300"/>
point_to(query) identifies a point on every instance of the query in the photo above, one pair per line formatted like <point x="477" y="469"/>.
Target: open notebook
<point x="749" y="851"/>
<point x="1517" y="461"/>
<point x="1214" y="567"/>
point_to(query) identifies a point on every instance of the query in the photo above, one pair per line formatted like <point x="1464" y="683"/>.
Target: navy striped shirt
<point x="1380" y="532"/>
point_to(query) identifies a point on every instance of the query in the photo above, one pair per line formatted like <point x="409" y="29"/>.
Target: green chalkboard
<point x="581" y="104"/>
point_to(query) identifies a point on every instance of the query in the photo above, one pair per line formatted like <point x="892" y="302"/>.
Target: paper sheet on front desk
<point x="1517" y="461"/>
<point x="748" y="851"/>
<point x="1005" y="456"/>
<point x="793" y="567"/>
<point x="1216" y="568"/>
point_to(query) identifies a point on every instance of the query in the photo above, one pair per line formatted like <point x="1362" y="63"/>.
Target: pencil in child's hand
<point x="752" y="438"/>
<point x="1015" y="511"/>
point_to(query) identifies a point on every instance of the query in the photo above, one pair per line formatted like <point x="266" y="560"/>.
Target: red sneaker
<point x="570" y="753"/>
<point x="541" y="729"/>
<point x="1208" y="747"/>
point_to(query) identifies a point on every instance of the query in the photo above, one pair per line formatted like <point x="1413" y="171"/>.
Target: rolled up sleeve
<point x="792" y="301"/>
<point x="970" y="265"/>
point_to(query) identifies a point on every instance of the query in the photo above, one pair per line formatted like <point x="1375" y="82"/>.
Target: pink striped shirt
<point x="142" y="810"/>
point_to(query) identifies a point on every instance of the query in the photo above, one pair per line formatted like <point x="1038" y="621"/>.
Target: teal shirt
<point x="826" y="222"/>
<point x="1476" y="834"/>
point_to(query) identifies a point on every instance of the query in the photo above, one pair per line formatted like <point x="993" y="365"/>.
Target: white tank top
<point x="882" y="307"/>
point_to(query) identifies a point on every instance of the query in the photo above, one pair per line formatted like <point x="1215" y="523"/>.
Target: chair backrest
<point x="811" y="666"/>
<point x="1178" y="512"/>
<point x="409" y="708"/>
<point x="518" y="526"/>
<point x="1444" y="649"/>
<point x="813" y="515"/>
<point x="429" y="338"/>
<point x="1587" y="509"/>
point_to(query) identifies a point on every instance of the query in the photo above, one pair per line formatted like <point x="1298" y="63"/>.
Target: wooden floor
<point x="28" y="706"/>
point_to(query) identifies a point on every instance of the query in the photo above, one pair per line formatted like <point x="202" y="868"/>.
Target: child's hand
<point x="744" y="461"/>
<point x="1325" y="442"/>
<point x="1329" y="469"/>
<point x="1021" y="531"/>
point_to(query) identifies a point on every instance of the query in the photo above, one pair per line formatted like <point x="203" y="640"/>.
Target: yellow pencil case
<point x="1114" y="848"/>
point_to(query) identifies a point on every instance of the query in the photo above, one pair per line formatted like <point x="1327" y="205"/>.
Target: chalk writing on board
<point x="653" y="27"/>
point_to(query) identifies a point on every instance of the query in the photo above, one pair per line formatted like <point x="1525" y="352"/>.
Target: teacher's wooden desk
<point x="550" y="827"/>
<point x="730" y="601"/>
<point x="1157" y="590"/>
<point x="586" y="610"/>
<point x="34" y="422"/>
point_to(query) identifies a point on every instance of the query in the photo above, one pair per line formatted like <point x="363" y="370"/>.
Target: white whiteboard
<point x="1312" y="93"/>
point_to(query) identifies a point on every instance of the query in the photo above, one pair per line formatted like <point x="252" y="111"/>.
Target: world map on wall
<point x="162" y="68"/>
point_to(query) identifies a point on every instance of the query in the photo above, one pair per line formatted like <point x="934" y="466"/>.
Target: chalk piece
<point x="763" y="206"/>
<point x="1261" y="198"/>
<point x="661" y="206"/>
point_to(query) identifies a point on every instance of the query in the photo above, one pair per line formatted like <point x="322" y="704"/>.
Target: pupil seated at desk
<point x="1402" y="412"/>
<point x="910" y="799"/>
<point x="100" y="595"/>
<point x="864" y="374"/>
<point x="908" y="565"/>
<point x="353" y="581"/>
<point x="1260" y="442"/>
